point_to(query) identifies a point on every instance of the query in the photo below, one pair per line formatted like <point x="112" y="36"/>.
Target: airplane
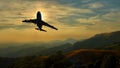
<point x="39" y="22"/>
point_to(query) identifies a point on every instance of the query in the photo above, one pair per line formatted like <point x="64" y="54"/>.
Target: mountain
<point x="99" y="51"/>
<point x="93" y="58"/>
<point x="70" y="40"/>
<point x="20" y="51"/>
<point x="97" y="41"/>
<point x="6" y="62"/>
<point x="64" y="48"/>
<point x="83" y="58"/>
<point x="36" y="48"/>
<point x="114" y="46"/>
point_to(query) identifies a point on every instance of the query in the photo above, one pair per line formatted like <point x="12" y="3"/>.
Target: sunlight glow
<point x="72" y="21"/>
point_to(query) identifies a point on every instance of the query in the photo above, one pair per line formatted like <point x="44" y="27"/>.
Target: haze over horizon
<point x="77" y="19"/>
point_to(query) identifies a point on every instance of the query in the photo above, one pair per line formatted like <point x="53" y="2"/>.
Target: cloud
<point x="13" y="26"/>
<point x="64" y="14"/>
<point x="85" y="21"/>
<point x="86" y="1"/>
<point x="84" y="18"/>
<point x="95" y="5"/>
<point x="31" y="35"/>
<point x="112" y="16"/>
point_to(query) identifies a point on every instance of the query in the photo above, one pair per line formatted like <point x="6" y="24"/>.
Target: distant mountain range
<point x="99" y="51"/>
<point x="29" y="49"/>
<point x="99" y="41"/>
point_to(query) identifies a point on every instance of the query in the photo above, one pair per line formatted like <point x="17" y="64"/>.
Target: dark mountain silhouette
<point x="100" y="51"/>
<point x="114" y="46"/>
<point x="20" y="51"/>
<point x="93" y="58"/>
<point x="65" y="48"/>
<point x="84" y="58"/>
<point x="99" y="40"/>
<point x="29" y="49"/>
<point x="6" y="62"/>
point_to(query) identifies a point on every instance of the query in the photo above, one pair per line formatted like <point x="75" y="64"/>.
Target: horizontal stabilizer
<point x="40" y="29"/>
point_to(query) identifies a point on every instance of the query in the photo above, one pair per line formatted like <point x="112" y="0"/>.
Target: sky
<point x="76" y="19"/>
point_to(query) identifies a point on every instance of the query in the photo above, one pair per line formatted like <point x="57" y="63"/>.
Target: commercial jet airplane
<point x="39" y="22"/>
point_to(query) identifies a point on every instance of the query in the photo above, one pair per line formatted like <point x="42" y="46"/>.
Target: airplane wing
<point x="48" y="25"/>
<point x="30" y="21"/>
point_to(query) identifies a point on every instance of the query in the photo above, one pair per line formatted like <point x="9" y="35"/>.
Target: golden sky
<point x="77" y="19"/>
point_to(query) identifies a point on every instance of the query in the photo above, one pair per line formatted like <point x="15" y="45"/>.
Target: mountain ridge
<point x="99" y="40"/>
